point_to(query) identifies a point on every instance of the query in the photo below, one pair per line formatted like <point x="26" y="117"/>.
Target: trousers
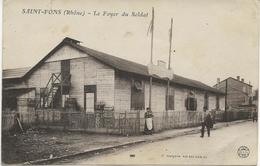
<point x="203" y="130"/>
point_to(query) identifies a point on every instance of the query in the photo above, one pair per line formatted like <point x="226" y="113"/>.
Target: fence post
<point x="43" y="116"/>
<point x="85" y="118"/>
<point x="29" y="124"/>
<point x="64" y="117"/>
<point x="139" y="122"/>
<point x="125" y="124"/>
<point x="47" y="119"/>
<point x="53" y="116"/>
<point x="163" y="119"/>
<point x="119" y="123"/>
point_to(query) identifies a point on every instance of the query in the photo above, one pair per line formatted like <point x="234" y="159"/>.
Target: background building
<point x="239" y="93"/>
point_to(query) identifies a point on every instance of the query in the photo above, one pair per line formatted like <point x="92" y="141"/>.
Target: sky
<point x="212" y="38"/>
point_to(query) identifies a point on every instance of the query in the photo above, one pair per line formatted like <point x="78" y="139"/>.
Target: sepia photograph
<point x="110" y="82"/>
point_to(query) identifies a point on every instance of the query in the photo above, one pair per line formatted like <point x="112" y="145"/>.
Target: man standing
<point x="208" y="123"/>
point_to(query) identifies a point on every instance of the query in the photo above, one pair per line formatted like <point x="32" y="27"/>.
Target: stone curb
<point x="102" y="149"/>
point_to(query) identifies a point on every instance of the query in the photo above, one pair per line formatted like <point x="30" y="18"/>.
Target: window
<point x="217" y="102"/>
<point x="191" y="102"/>
<point x="170" y="98"/>
<point x="206" y="102"/>
<point x="137" y="95"/>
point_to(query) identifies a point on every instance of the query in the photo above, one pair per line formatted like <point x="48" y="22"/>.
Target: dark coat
<point x="148" y="114"/>
<point x="208" y="121"/>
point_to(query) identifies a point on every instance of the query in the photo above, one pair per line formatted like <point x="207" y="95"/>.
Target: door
<point x="90" y="102"/>
<point x="65" y="73"/>
<point x="89" y="98"/>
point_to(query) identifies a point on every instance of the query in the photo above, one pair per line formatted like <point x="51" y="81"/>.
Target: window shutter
<point x="171" y="102"/>
<point x="192" y="103"/>
<point x="195" y="104"/>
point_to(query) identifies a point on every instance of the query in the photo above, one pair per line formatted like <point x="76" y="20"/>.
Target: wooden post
<point x="167" y="96"/>
<point x="167" y="100"/>
<point x="29" y="121"/>
<point x="43" y="117"/>
<point x="150" y="93"/>
<point x="52" y="84"/>
<point x="170" y="49"/>
<point x="226" y="89"/>
<point x="151" y="58"/>
<point x="48" y="118"/>
<point x="139" y="122"/>
<point x="152" y="30"/>
<point x="61" y="89"/>
<point x="125" y="124"/>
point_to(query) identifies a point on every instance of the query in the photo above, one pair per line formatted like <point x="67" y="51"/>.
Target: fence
<point x="124" y="123"/>
<point x="8" y="120"/>
<point x="231" y="115"/>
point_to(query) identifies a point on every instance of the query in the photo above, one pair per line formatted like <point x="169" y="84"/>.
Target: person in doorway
<point x="208" y="123"/>
<point x="148" y="127"/>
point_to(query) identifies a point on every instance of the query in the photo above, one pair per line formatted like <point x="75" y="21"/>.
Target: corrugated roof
<point x="136" y="68"/>
<point x="15" y="73"/>
<point x="115" y="62"/>
<point x="193" y="83"/>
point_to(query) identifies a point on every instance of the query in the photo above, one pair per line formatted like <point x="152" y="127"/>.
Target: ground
<point x="45" y="144"/>
<point x="41" y="144"/>
<point x="37" y="144"/>
<point x="221" y="148"/>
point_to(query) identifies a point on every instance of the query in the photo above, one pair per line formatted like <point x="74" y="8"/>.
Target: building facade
<point x="239" y="93"/>
<point x="72" y="72"/>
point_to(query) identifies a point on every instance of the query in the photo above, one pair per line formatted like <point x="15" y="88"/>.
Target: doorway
<point x="90" y="98"/>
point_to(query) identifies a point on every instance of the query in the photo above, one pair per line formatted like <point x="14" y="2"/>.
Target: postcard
<point x="130" y="82"/>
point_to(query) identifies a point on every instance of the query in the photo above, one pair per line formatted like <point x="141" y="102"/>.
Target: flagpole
<point x="151" y="60"/>
<point x="169" y="67"/>
<point x="152" y="30"/>
<point x="170" y="49"/>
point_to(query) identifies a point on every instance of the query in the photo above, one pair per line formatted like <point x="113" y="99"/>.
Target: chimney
<point x="161" y="64"/>
<point x="242" y="79"/>
<point x="238" y="78"/>
<point x="218" y="80"/>
<point x="70" y="40"/>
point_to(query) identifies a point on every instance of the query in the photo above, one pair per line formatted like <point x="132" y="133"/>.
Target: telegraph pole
<point x="170" y="48"/>
<point x="226" y="89"/>
<point x="151" y="59"/>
